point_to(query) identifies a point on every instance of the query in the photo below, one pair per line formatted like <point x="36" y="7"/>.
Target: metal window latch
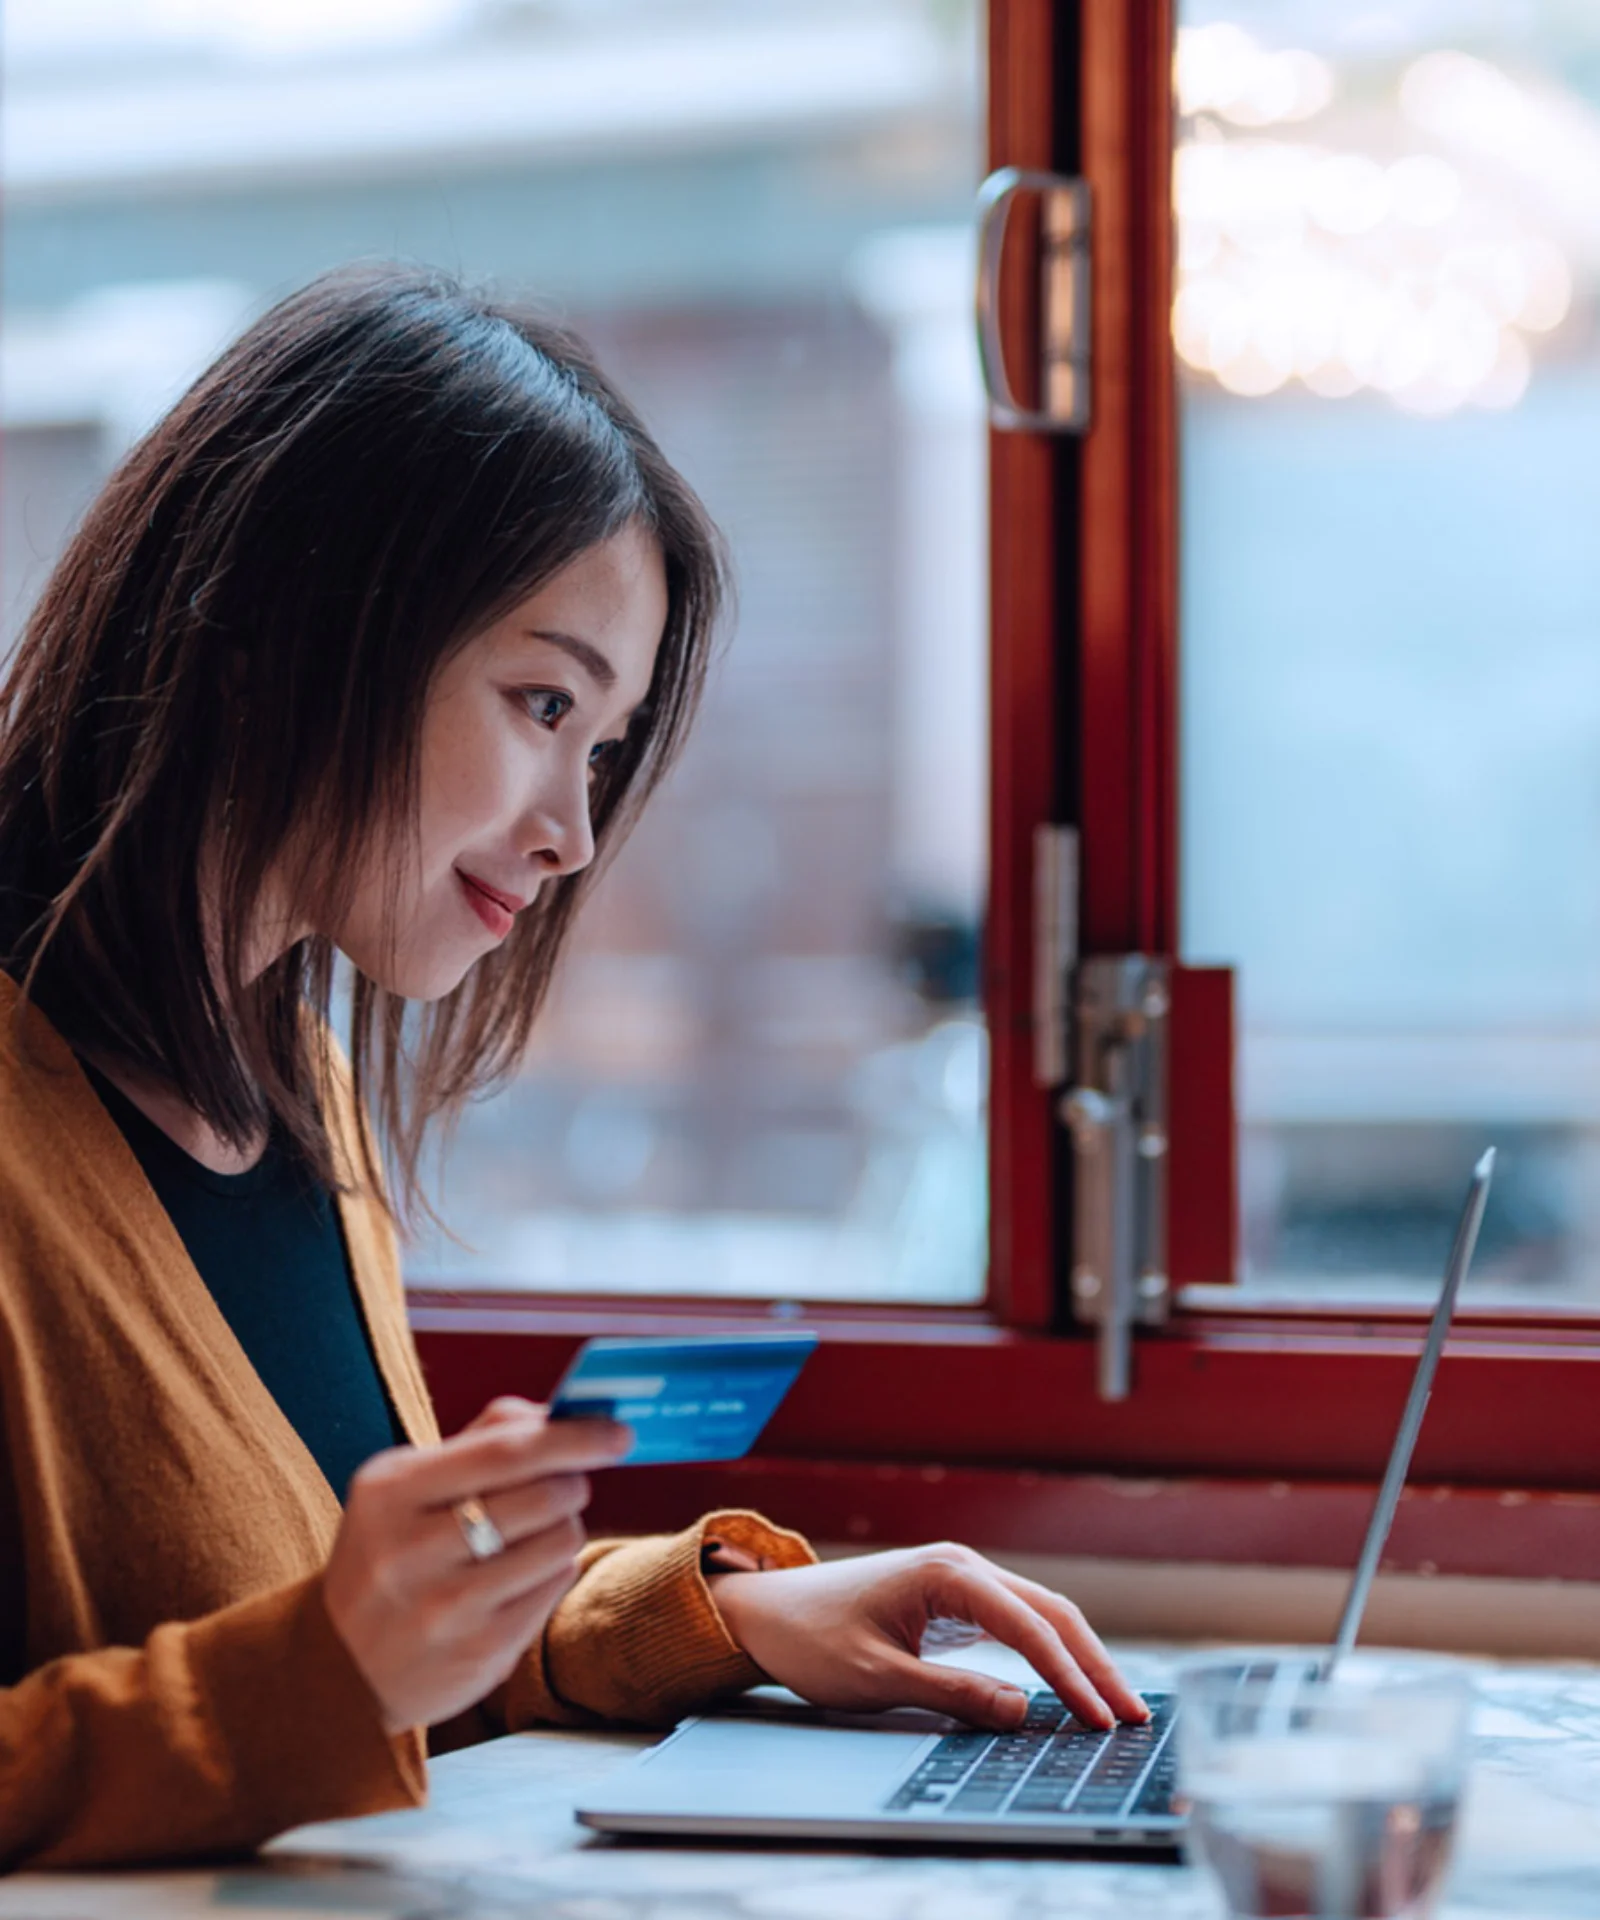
<point x="1116" y="1111"/>
<point x="1064" y="300"/>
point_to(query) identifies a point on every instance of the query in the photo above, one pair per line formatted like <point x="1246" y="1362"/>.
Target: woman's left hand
<point x="848" y="1634"/>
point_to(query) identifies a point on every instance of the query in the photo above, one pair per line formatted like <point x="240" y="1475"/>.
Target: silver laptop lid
<point x="1394" y="1477"/>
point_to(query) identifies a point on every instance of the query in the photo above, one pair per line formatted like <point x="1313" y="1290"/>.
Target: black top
<point x="268" y="1244"/>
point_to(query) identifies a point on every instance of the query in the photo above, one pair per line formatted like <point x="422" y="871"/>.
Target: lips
<point x="497" y="910"/>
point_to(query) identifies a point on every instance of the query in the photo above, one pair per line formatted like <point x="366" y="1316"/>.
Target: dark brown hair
<point x="231" y="664"/>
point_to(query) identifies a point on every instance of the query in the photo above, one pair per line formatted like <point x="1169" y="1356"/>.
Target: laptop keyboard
<point x="1051" y="1766"/>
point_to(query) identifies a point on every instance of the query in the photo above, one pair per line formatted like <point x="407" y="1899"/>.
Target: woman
<point x="369" y="649"/>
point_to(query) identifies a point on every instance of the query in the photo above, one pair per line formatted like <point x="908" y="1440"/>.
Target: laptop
<point x="796" y="1772"/>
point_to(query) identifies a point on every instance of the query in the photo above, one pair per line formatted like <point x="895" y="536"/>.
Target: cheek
<point x="468" y="783"/>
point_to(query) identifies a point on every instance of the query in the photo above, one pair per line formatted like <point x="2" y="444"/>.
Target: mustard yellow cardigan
<point x="170" y="1683"/>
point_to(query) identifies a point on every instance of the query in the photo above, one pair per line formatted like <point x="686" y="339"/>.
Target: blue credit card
<point x="684" y="1399"/>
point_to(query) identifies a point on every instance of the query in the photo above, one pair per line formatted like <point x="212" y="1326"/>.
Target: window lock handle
<point x="1064" y="301"/>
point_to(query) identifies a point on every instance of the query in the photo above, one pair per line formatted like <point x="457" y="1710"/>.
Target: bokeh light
<point x="1420" y="245"/>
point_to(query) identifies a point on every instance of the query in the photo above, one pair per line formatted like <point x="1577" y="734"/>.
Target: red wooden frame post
<point x="1023" y="702"/>
<point x="1128" y="610"/>
<point x="1128" y="658"/>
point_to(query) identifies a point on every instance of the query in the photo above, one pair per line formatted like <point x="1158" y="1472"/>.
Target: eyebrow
<point x="587" y="655"/>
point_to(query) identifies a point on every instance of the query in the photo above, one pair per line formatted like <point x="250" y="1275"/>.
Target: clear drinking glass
<point x="1322" y="1799"/>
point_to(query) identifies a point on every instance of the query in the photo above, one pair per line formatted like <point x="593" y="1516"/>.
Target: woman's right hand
<point x="431" y="1628"/>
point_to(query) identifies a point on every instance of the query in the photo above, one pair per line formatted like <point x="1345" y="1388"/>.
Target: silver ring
<point x="484" y="1539"/>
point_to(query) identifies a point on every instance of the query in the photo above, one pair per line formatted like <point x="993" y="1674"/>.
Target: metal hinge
<point x="1116" y="1110"/>
<point x="1064" y="300"/>
<point x="1055" y="949"/>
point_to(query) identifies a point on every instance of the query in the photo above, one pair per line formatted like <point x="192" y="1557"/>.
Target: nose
<point x="559" y="833"/>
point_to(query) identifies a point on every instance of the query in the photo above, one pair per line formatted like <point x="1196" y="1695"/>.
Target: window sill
<point x="1244" y="1395"/>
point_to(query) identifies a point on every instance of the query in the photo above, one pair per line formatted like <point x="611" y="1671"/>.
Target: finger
<point x="977" y="1698"/>
<point x="1082" y="1642"/>
<point x="506" y="1406"/>
<point x="526" y="1510"/>
<point x="976" y="1594"/>
<point x="471" y="1594"/>
<point x="510" y="1453"/>
<point x="511" y="1628"/>
<point x="440" y="1547"/>
<point x="540" y="1600"/>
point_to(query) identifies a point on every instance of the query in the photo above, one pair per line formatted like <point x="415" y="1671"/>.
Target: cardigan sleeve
<point x="208" y="1739"/>
<point x="639" y="1639"/>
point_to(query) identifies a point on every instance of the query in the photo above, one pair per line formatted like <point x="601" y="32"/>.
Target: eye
<point x="601" y="754"/>
<point x="547" y="705"/>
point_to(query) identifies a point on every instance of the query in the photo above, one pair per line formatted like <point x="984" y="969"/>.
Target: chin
<point x="412" y="977"/>
<point x="434" y="982"/>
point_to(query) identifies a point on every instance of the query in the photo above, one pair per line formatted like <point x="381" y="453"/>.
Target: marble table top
<point x="498" y="1839"/>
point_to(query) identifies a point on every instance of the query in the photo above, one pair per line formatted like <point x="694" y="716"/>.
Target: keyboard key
<point x="1155" y="1796"/>
<point x="1052" y="1765"/>
<point x="1045" y="1714"/>
<point x="943" y="1770"/>
<point x="1051" y="1791"/>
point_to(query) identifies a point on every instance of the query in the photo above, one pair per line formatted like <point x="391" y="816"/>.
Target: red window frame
<point x="1252" y="1436"/>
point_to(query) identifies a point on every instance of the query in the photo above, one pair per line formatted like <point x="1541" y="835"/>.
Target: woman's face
<point x="516" y="725"/>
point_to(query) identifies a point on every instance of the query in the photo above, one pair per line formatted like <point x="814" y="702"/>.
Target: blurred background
<point x="1389" y="222"/>
<point x="764" y="1070"/>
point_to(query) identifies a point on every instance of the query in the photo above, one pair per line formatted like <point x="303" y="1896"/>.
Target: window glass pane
<point x="763" y="1070"/>
<point x="1386" y="317"/>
